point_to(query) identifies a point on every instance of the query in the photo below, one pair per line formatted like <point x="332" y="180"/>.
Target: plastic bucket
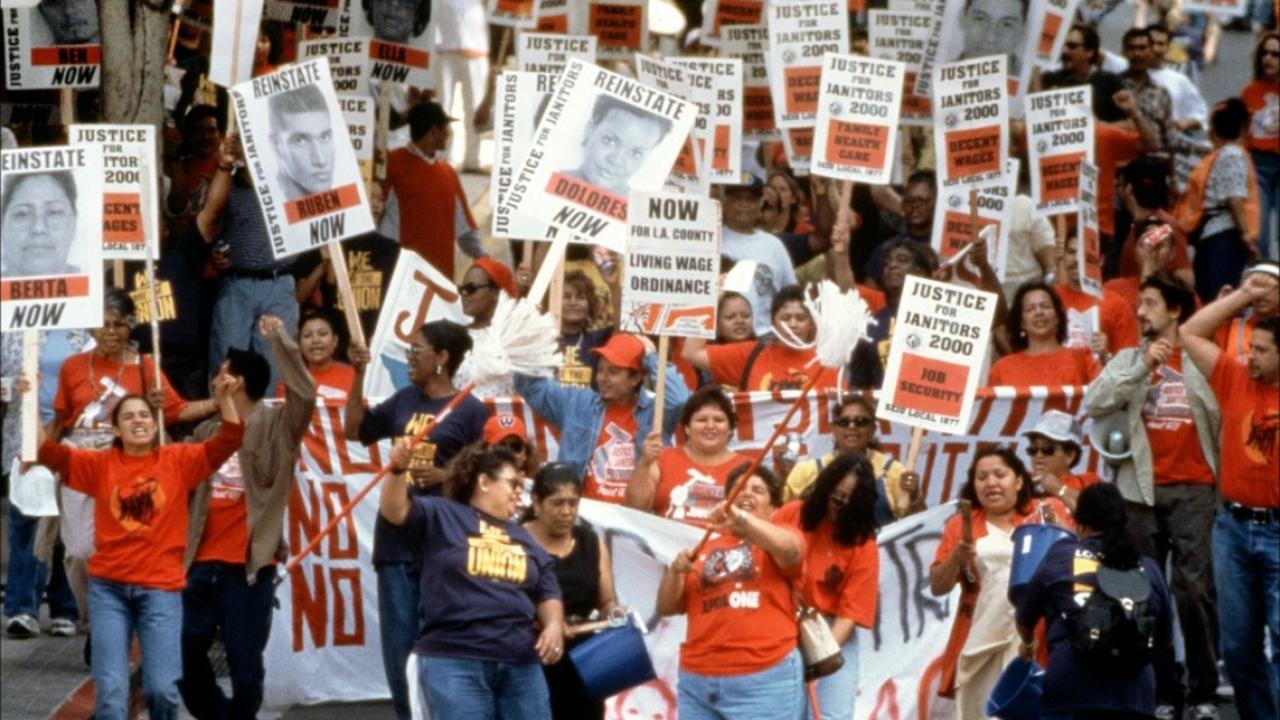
<point x="1016" y="695"/>
<point x="611" y="661"/>
<point x="1030" y="544"/>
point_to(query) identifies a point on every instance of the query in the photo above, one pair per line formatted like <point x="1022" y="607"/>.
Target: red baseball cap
<point x="502" y="426"/>
<point x="499" y="273"/>
<point x="624" y="351"/>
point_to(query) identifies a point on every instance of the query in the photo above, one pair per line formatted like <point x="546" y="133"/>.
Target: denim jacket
<point x="579" y="412"/>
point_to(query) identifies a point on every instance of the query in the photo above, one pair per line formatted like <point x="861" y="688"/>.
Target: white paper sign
<point x="718" y="14"/>
<point x="1218" y="8"/>
<point x="903" y="36"/>
<point x="359" y="113"/>
<point x="52" y="50"/>
<point x="672" y="266"/>
<point x="1089" y="239"/>
<point x="130" y="209"/>
<point x="689" y="173"/>
<point x="513" y="127"/>
<point x="940" y="339"/>
<point x="951" y="231"/>
<point x="300" y="156"/>
<point x="318" y="14"/>
<point x="400" y="51"/>
<point x="798" y="145"/>
<point x="800" y="33"/>
<point x="548" y="52"/>
<point x="521" y="14"/>
<point x="235" y="38"/>
<point x="348" y="62"/>
<point x="718" y="129"/>
<point x="857" y="126"/>
<point x="750" y="44"/>
<point x="971" y="122"/>
<point x="1048" y="26"/>
<point x="621" y="26"/>
<point x="1059" y="139"/>
<point x="51" y="222"/>
<point x="553" y="15"/>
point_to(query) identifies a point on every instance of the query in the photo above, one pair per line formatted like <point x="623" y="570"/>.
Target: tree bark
<point x="134" y="37"/>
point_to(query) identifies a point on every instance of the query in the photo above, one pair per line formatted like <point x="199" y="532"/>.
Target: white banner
<point x="548" y="53"/>
<point x="400" y="51"/>
<point x="235" y="38"/>
<point x="672" y="272"/>
<point x="130" y="208"/>
<point x="1219" y="8"/>
<point x="750" y="44"/>
<point x="800" y="33"/>
<point x="1059" y="139"/>
<point x="970" y="123"/>
<point x="57" y="49"/>
<point x="718" y="129"/>
<point x="1089" y="239"/>
<point x="348" y="62"/>
<point x="857" y="125"/>
<point x="903" y="36"/>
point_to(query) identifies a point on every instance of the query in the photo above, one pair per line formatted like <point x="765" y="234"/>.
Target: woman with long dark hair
<point x="842" y="566"/>
<point x="1262" y="99"/>
<point x="1037" y="327"/>
<point x="1059" y="589"/>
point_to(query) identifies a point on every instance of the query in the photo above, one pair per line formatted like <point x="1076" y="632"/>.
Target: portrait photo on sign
<point x="53" y="44"/>
<point x="613" y="144"/>
<point x="64" y="22"/>
<point x="302" y="140"/>
<point x="43" y="233"/>
<point x="398" y="21"/>
<point x="985" y="27"/>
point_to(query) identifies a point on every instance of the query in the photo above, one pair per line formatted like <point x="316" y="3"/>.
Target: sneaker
<point x="62" y="627"/>
<point x="1166" y="712"/>
<point x="22" y="626"/>
<point x="1205" y="711"/>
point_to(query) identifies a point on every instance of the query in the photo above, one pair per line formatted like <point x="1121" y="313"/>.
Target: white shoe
<point x="1205" y="711"/>
<point x="1166" y="712"/>
<point x="22" y="626"/>
<point x="62" y="627"/>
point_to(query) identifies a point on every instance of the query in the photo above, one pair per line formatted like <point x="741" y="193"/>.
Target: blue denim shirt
<point x="579" y="412"/>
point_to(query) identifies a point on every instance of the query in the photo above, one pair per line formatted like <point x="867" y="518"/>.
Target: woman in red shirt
<point x="685" y="483"/>
<point x="739" y="658"/>
<point x="319" y="339"/>
<point x="1262" y="97"/>
<point x="841" y="566"/>
<point x="136" y="575"/>
<point x="1037" y="327"/>
<point x="983" y="639"/>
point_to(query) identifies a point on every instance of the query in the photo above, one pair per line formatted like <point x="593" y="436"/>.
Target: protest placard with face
<point x="52" y="45"/>
<point x="522" y="14"/>
<point x="718" y="129"/>
<point x="318" y="14"/>
<point x="621" y="26"/>
<point x="1059" y="139"/>
<point x="718" y="14"/>
<point x="689" y="173"/>
<point x="800" y="33"/>
<point x="548" y="53"/>
<point x="553" y="15"/>
<point x="359" y="113"/>
<point x="971" y="122"/>
<point x="940" y="339"/>
<point x="1218" y="8"/>
<point x="602" y="136"/>
<point x="348" y="62"/>
<point x="971" y="29"/>
<point x="1088" y="238"/>
<point x="400" y="50"/>
<point x="130" y="209"/>
<point x="235" y="40"/>
<point x="750" y="44"/>
<point x="903" y="36"/>
<point x="857" y="128"/>
<point x="51" y="222"/>
<point x="951" y="219"/>
<point x="672" y="265"/>
<point x="301" y="159"/>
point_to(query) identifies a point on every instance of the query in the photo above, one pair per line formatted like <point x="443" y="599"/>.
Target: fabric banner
<point x="750" y="44"/>
<point x="903" y="36"/>
<point x="130" y="208"/>
<point x="672" y="271"/>
<point x="1059" y="139"/>
<point x="857" y="124"/>
<point x="55" y="49"/>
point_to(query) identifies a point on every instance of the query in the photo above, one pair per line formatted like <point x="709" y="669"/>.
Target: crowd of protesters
<point x="179" y="542"/>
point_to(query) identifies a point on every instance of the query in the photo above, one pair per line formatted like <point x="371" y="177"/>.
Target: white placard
<point x="513" y="127"/>
<point x="235" y="38"/>
<point x="951" y="231"/>
<point x="621" y="26"/>
<point x="360" y="113"/>
<point x="971" y="29"/>
<point x="672" y="265"/>
<point x="51" y="222"/>
<point x="300" y="157"/>
<point x="1049" y="23"/>
<point x="55" y="49"/>
<point x="1059" y="139"/>
<point x="400" y="49"/>
<point x="940" y="339"/>
<point x="719" y="14"/>
<point x="750" y="44"/>
<point x="689" y="173"/>
<point x="522" y="14"/>
<point x="800" y="33"/>
<point x="903" y="36"/>
<point x="1218" y="8"/>
<point x="971" y="122"/>
<point x="549" y="52"/>
<point x="130" y="208"/>
<point x="718" y="128"/>
<point x="1089" y="239"/>
<point x="348" y="62"/>
<point x="319" y="14"/>
<point x="857" y="126"/>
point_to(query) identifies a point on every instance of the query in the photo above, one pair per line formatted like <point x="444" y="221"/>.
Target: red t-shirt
<point x="140" y="517"/>
<point x="741" y="615"/>
<point x="1113" y="316"/>
<point x="1263" y="100"/>
<point x="226" y="527"/>
<point x="1081" y="481"/>
<point x="332" y="383"/>
<point x="430" y="198"/>
<point x="614" y="459"/>
<point x="1113" y="149"/>
<point x="1128" y="289"/>
<point x="1064" y="366"/>
<point x="1234" y="337"/>
<point x="839" y="580"/>
<point x="1171" y="429"/>
<point x="90" y="386"/>
<point x="776" y="367"/>
<point x="688" y="491"/>
<point x="1250" y="463"/>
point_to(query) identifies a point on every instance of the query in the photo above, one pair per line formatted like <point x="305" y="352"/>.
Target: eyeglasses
<point x="1069" y="45"/>
<point x="838" y="499"/>
<point x="472" y="288"/>
<point x="860" y="421"/>
<point x="416" y="350"/>
<point x="1045" y="450"/>
<point x="56" y="215"/>
<point x="1271" y="53"/>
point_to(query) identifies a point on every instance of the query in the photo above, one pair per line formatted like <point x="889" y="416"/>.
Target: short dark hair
<point x="1229" y="118"/>
<point x="199" y="112"/>
<point x="1148" y="177"/>
<point x="1104" y="85"/>
<point x="553" y="476"/>
<point x="1011" y="459"/>
<point x="1101" y="507"/>
<point x="605" y="103"/>
<point x="1133" y="33"/>
<point x="1157" y="27"/>
<point x="1270" y="324"/>
<point x="448" y="336"/>
<point x="473" y="461"/>
<point x="762" y="472"/>
<point x="922" y="177"/>
<point x="786" y="294"/>
<point x="421" y="16"/>
<point x="337" y="323"/>
<point x="1013" y="320"/>
<point x="1176" y="295"/>
<point x="424" y="117"/>
<point x="62" y="178"/>
<point x="113" y="298"/>
<point x="922" y="256"/>
<point x="709" y="395"/>
<point x="302" y="99"/>
<point x="252" y="368"/>
<point x="115" y="414"/>
<point x="856" y="521"/>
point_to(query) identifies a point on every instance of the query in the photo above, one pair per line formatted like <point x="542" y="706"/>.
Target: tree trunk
<point x="134" y="37"/>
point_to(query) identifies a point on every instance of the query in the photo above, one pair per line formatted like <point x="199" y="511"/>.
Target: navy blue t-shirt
<point x="1060" y="586"/>
<point x="482" y="580"/>
<point x="404" y="414"/>
<point x="580" y="363"/>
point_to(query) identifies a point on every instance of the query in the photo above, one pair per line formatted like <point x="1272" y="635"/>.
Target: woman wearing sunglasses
<point x="854" y="432"/>
<point x="1054" y="446"/>
<point x="482" y="286"/>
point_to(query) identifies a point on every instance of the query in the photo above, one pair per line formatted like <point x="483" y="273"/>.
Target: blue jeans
<point x="1246" y="570"/>
<point x="241" y="301"/>
<point x="398" y="626"/>
<point x="1266" y="167"/>
<point x="465" y="689"/>
<point x="775" y="693"/>
<point x="1220" y="260"/>
<point x="218" y="596"/>
<point x="116" y="611"/>
<point x="838" y="691"/>
<point x="25" y="582"/>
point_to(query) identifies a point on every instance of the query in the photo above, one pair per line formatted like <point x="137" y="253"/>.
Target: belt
<point x="257" y="274"/>
<point x="1262" y="516"/>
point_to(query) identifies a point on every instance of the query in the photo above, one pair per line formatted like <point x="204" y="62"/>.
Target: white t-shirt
<point x="773" y="270"/>
<point x="1028" y="235"/>
<point x="1187" y="101"/>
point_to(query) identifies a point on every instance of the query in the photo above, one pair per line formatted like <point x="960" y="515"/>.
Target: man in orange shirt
<point x="1246" y="533"/>
<point x="1233" y="337"/>
<point x="1105" y="325"/>
<point x="1119" y="136"/>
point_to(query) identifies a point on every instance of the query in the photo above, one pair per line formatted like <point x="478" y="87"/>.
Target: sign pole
<point x="31" y="398"/>
<point x="660" y="388"/>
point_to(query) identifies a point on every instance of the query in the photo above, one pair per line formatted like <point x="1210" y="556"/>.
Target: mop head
<point x="521" y="340"/>
<point x="843" y="319"/>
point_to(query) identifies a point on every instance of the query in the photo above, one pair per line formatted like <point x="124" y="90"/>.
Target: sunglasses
<point x="1045" y="450"/>
<point x="848" y="422"/>
<point x="472" y="288"/>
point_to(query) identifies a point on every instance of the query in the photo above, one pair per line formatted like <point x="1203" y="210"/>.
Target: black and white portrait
<point x="302" y="138"/>
<point x="64" y="22"/>
<point x="616" y="142"/>
<point x="39" y="224"/>
<point x="397" y="21"/>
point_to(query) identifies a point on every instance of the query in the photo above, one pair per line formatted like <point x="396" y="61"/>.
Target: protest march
<point x="585" y="359"/>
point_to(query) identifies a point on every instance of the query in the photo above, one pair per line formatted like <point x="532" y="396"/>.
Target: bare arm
<point x="359" y="357"/>
<point x="944" y="576"/>
<point x="785" y="545"/>
<point x="1236" y="206"/>
<point x="694" y="352"/>
<point x="1196" y="333"/>
<point x="642" y="490"/>
<point x="395" y="503"/>
<point x="671" y="589"/>
<point x="842" y="629"/>
<point x="608" y="595"/>
<point x="219" y="190"/>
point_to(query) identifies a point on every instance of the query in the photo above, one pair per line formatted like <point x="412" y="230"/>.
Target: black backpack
<point x="1116" y="628"/>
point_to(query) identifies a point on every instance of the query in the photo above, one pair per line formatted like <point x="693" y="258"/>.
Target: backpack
<point x="1116" y="628"/>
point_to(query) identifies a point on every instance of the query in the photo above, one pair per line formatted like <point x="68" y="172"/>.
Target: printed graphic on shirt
<point x="1081" y="326"/>
<point x="228" y="482"/>
<point x="493" y="555"/>
<point x="793" y="379"/>
<point x="832" y="579"/>
<point x="574" y="373"/>
<point x="1084" y="563"/>
<point x="1265" y="123"/>
<point x="693" y="500"/>
<point x="1260" y="436"/>
<point x="97" y="414"/>
<point x="1167" y="407"/>
<point x="135" y="503"/>
<point x="425" y="455"/>
<point x="723" y="575"/>
<point x="613" y="463"/>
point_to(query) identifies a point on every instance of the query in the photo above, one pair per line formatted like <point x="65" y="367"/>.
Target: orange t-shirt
<point x="1064" y="366"/>
<point x="839" y="580"/>
<point x="741" y="615"/>
<point x="1113" y="149"/>
<point x="226" y="527"/>
<point x="430" y="196"/>
<point x="140" y="517"/>
<point x="1081" y="481"/>
<point x="1114" y="317"/>
<point x="688" y="491"/>
<point x="1177" y="457"/>
<point x="1128" y="289"/>
<point x="1263" y="100"/>
<point x="332" y="383"/>
<point x="776" y="367"/>
<point x="1234" y="337"/>
<point x="614" y="460"/>
<point x="1250" y="460"/>
<point x="90" y="386"/>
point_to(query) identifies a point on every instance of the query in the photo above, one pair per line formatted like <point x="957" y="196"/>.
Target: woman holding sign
<point x="1037" y="327"/>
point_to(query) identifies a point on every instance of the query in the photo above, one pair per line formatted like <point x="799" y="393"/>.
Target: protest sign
<point x="750" y="44"/>
<point x="513" y="126"/>
<point x="1048" y="25"/>
<point x="318" y="14"/>
<point x="130" y="209"/>
<point x="973" y="29"/>
<point x="521" y="14"/>
<point x="52" y="48"/>
<point x="971" y="123"/>
<point x="1059" y="138"/>
<point x="903" y="36"/>
<point x="940" y="338"/>
<point x="417" y="294"/>
<point x="197" y="14"/>
<point x="51" y="278"/>
<point x="300" y="157"/>
<point x="400" y="51"/>
<point x="235" y="38"/>
<point x="166" y="305"/>
<point x="1088" y="239"/>
<point x="620" y="26"/>
<point x="601" y="136"/>
<point x="348" y="62"/>
<point x="548" y="52"/>
<point x="358" y="112"/>
<point x="553" y="15"/>
<point x="717" y="14"/>
<point x="898" y="6"/>
<point x="688" y="173"/>
<point x="951" y="219"/>
<point x="857" y="128"/>
<point x="797" y="143"/>
<point x="800" y="33"/>
<point x="718" y="127"/>
<point x="1218" y="8"/>
<point x="672" y="265"/>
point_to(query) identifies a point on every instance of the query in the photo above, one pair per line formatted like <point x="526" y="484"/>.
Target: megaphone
<point x="1109" y="436"/>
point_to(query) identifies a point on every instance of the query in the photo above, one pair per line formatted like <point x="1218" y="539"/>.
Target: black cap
<point x="424" y="116"/>
<point x="749" y="184"/>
